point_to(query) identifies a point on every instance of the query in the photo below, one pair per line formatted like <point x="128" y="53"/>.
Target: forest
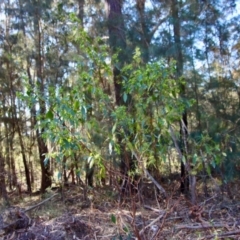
<point x="119" y="119"/>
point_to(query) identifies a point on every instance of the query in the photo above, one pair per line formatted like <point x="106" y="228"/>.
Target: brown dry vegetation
<point x="68" y="215"/>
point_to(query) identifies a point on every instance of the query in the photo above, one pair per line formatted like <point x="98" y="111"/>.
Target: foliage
<point x="64" y="77"/>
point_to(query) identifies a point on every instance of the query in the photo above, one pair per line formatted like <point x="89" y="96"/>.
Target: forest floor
<point x="68" y="215"/>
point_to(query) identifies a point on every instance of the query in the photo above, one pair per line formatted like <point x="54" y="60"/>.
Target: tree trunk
<point x="8" y="161"/>
<point x="12" y="163"/>
<point x="3" y="191"/>
<point x="81" y="10"/>
<point x="45" y="166"/>
<point x="25" y="164"/>
<point x="118" y="45"/>
<point x="42" y="147"/>
<point x="185" y="166"/>
<point x="145" y="36"/>
<point x="89" y="172"/>
<point x="117" y="42"/>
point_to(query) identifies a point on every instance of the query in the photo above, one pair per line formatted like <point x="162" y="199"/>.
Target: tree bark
<point x="145" y="36"/>
<point x="81" y="10"/>
<point x="117" y="41"/>
<point x="3" y="191"/>
<point x="42" y="147"/>
<point x="25" y="164"/>
<point x="184" y="122"/>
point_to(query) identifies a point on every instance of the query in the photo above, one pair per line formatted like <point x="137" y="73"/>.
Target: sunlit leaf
<point x="195" y="158"/>
<point x="110" y="148"/>
<point x="183" y="159"/>
<point x="46" y="161"/>
<point x="114" y="128"/>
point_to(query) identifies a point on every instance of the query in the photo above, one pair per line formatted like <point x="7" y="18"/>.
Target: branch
<point x="160" y="188"/>
<point x="157" y="26"/>
<point x="227" y="234"/>
<point x="203" y="226"/>
<point x="39" y="204"/>
<point x="151" y="223"/>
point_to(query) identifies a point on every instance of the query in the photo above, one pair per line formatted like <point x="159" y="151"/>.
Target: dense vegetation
<point x="114" y="92"/>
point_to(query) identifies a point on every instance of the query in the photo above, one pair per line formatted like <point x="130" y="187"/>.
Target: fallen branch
<point x="227" y="234"/>
<point x="153" y="209"/>
<point x="39" y="204"/>
<point x="160" y="188"/>
<point x="152" y="223"/>
<point x="203" y="226"/>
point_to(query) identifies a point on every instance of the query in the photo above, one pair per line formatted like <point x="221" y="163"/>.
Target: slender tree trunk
<point x="12" y="163"/>
<point x="71" y="173"/>
<point x="25" y="164"/>
<point x="117" y="42"/>
<point x="10" y="79"/>
<point x="7" y="131"/>
<point x="81" y="10"/>
<point x="185" y="166"/>
<point x="42" y="147"/>
<point x="89" y="171"/>
<point x="65" y="179"/>
<point x="3" y="191"/>
<point x="31" y="173"/>
<point x="145" y="36"/>
<point x="118" y="45"/>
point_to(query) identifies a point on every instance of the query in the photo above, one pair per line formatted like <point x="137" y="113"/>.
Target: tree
<point x="3" y="192"/>
<point x="117" y="41"/>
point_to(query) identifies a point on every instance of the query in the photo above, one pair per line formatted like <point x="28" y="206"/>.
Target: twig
<point x="150" y="224"/>
<point x="227" y="234"/>
<point x="203" y="226"/>
<point x="39" y="204"/>
<point x="160" y="188"/>
<point x="153" y="209"/>
<point x="203" y="203"/>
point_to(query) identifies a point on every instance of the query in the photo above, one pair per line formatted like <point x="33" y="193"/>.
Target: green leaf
<point x="184" y="159"/>
<point x="49" y="115"/>
<point x="114" y="128"/>
<point x="213" y="163"/>
<point x="193" y="172"/>
<point x="113" y="218"/>
<point x="195" y="158"/>
<point x="76" y="105"/>
<point x="208" y="170"/>
<point x="84" y="112"/>
<point x="125" y="97"/>
<point x="29" y="92"/>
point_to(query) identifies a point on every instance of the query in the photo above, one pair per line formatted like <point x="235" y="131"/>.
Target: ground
<point x="67" y="214"/>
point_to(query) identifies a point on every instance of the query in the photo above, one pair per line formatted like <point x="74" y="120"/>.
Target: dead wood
<point x="223" y="235"/>
<point x="16" y="218"/>
<point x="152" y="223"/>
<point x="41" y="203"/>
<point x="204" y="226"/>
<point x="160" y="188"/>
